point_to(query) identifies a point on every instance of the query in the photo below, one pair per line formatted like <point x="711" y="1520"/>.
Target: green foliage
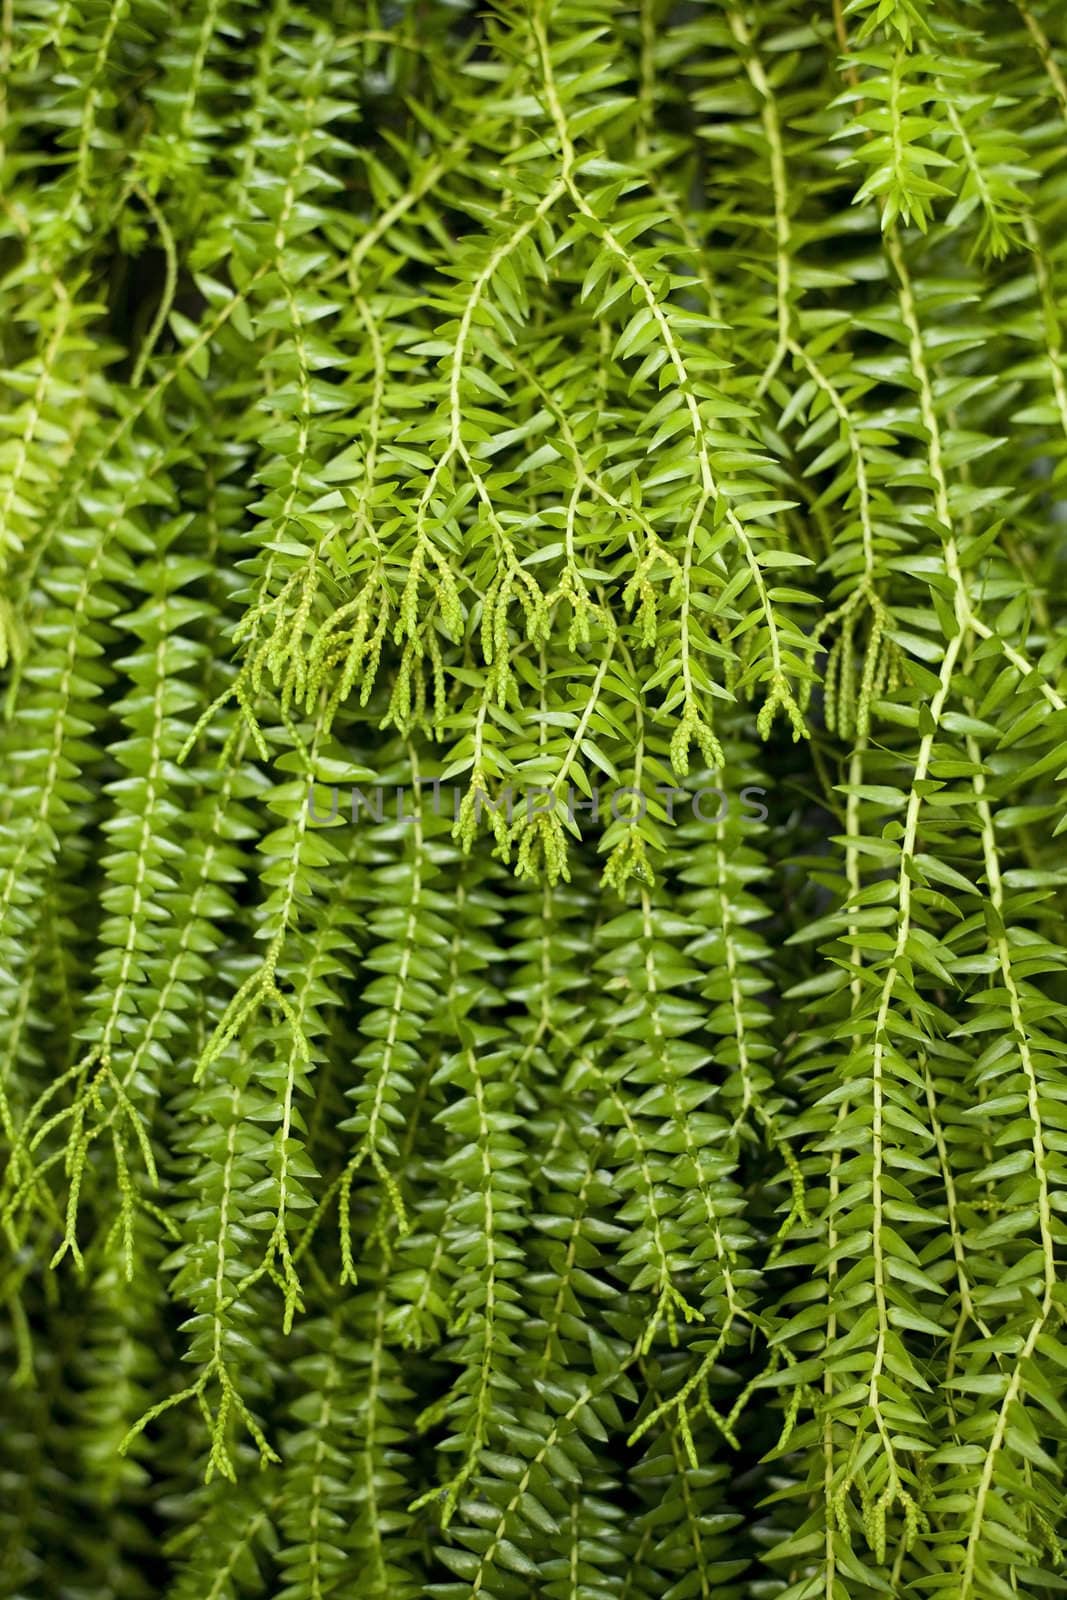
<point x="546" y="1172"/>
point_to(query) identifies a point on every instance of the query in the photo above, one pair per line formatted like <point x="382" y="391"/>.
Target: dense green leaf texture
<point x="533" y="864"/>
